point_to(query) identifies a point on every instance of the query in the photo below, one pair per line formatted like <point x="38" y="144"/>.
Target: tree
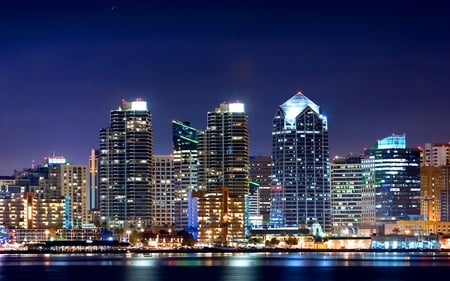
<point x="273" y="242"/>
<point x="291" y="240"/>
<point x="188" y="239"/>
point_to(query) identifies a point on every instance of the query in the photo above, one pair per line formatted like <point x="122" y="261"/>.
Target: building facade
<point x="163" y="191"/>
<point x="260" y="173"/>
<point x="93" y="180"/>
<point x="224" y="159"/>
<point x="125" y="167"/>
<point x="430" y="191"/>
<point x="346" y="194"/>
<point x="301" y="189"/>
<point x="73" y="187"/>
<point x="436" y="154"/>
<point x="434" y="182"/>
<point x="185" y="166"/>
<point x="220" y="217"/>
<point x="396" y="173"/>
<point x="224" y="150"/>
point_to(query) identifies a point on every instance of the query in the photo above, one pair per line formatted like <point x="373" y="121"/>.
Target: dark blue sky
<point x="374" y="67"/>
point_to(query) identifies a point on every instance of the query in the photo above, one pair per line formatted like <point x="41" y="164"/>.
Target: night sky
<point x="374" y="67"/>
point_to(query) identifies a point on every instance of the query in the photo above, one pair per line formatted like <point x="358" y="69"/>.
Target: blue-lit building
<point x="3" y="234"/>
<point x="395" y="170"/>
<point x="185" y="165"/>
<point x="301" y="189"/>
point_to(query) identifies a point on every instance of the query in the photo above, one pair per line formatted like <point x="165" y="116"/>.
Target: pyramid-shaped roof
<point x="297" y="104"/>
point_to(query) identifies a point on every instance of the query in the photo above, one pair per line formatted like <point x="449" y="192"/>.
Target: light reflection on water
<point x="238" y="260"/>
<point x="302" y="266"/>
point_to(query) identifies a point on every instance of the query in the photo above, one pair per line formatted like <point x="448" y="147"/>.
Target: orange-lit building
<point x="220" y="217"/>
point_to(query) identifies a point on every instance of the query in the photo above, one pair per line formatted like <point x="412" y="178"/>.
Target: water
<point x="226" y="266"/>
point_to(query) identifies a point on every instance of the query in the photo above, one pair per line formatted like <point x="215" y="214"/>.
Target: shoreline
<point x="219" y="250"/>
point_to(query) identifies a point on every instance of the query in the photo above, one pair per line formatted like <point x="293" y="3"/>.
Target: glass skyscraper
<point x="125" y="167"/>
<point x="301" y="189"/>
<point x="185" y="164"/>
<point x="396" y="171"/>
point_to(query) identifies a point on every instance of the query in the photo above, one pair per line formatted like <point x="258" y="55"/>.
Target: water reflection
<point x="226" y="267"/>
<point x="241" y="260"/>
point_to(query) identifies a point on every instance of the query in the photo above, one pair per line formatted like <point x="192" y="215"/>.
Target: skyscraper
<point x="125" y="167"/>
<point x="396" y="171"/>
<point x="224" y="150"/>
<point x="163" y="191"/>
<point x="301" y="189"/>
<point x="260" y="173"/>
<point x="347" y="193"/>
<point x="93" y="180"/>
<point x="434" y="182"/>
<point x="224" y="171"/>
<point x="185" y="165"/>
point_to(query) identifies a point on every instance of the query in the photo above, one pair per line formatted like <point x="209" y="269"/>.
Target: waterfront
<point x="281" y="266"/>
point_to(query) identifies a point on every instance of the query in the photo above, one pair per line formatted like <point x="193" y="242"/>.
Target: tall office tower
<point x="397" y="179"/>
<point x="346" y="194"/>
<point x="260" y="173"/>
<point x="93" y="180"/>
<point x="224" y="162"/>
<point x="301" y="189"/>
<point x="125" y="167"/>
<point x="163" y="191"/>
<point x="185" y="166"/>
<point x="436" y="154"/>
<point x="369" y="186"/>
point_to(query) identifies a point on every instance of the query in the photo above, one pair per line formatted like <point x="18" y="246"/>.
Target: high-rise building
<point x="73" y="186"/>
<point x="436" y="154"/>
<point x="93" y="180"/>
<point x="260" y="173"/>
<point x="396" y="170"/>
<point x="434" y="182"/>
<point x="185" y="166"/>
<point x="224" y="163"/>
<point x="125" y="167"/>
<point x="301" y="189"/>
<point x="163" y="191"/>
<point x="430" y="189"/>
<point x="346" y="194"/>
<point x="369" y="186"/>
<point x="444" y="194"/>
<point x="224" y="150"/>
<point x="69" y="182"/>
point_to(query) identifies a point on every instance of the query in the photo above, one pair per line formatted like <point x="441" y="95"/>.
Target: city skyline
<point x="374" y="69"/>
